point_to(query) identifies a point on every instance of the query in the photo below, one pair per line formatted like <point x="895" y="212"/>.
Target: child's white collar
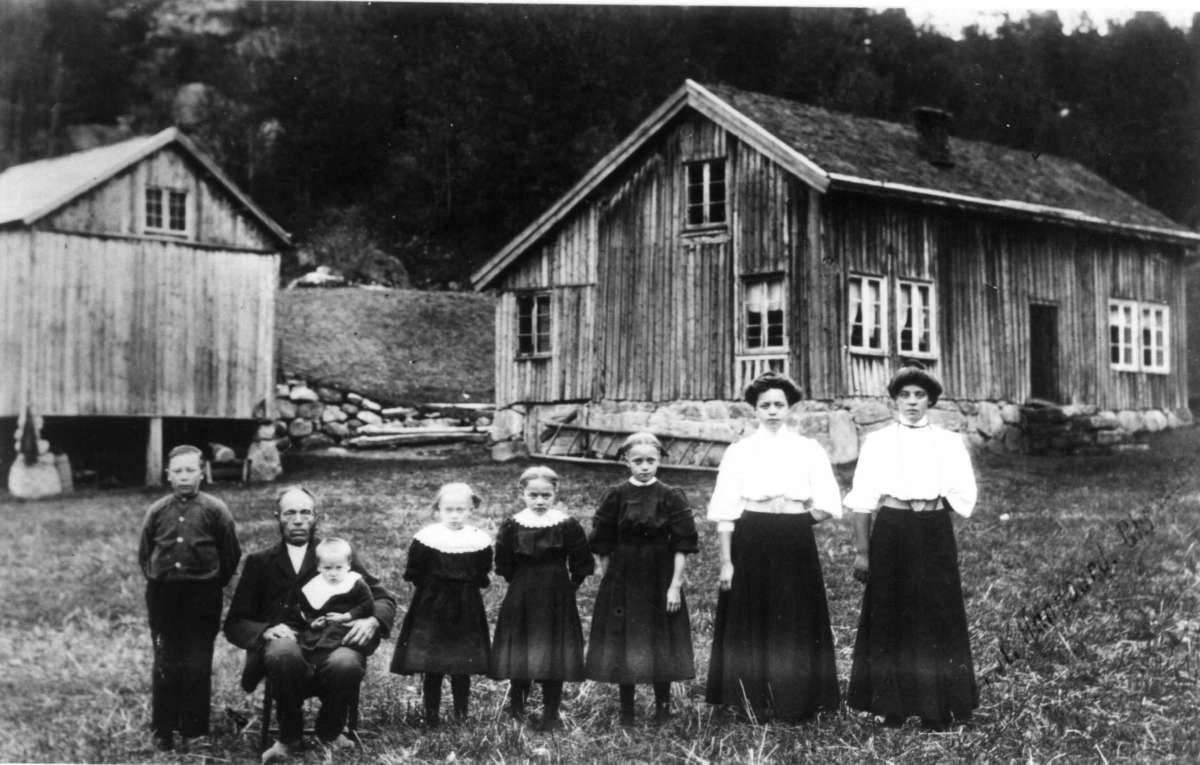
<point x="532" y="520"/>
<point x="636" y="482"/>
<point x="318" y="591"/>
<point x="444" y="539"/>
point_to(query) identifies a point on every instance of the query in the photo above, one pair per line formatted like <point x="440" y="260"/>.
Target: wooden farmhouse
<point x="734" y="232"/>
<point x="137" y="298"/>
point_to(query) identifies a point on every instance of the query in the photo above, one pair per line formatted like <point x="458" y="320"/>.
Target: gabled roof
<point x="841" y="151"/>
<point x="34" y="190"/>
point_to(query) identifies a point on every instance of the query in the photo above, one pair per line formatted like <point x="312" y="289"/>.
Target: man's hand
<point x="361" y="631"/>
<point x="338" y="618"/>
<point x="279" y="632"/>
<point x="819" y="515"/>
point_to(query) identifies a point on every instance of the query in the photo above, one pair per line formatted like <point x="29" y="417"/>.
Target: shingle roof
<point x="35" y="189"/>
<point x="831" y="151"/>
<point x="885" y="152"/>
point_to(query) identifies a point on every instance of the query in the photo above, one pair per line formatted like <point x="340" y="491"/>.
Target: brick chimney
<point x="933" y="135"/>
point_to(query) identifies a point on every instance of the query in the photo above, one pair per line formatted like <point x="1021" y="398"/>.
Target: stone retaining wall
<point x="842" y="424"/>
<point x="305" y="416"/>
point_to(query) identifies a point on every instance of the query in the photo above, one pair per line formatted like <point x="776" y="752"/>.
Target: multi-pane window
<point x="705" y="192"/>
<point x="1154" y="338"/>
<point x="1139" y="336"/>
<point x="533" y="324"/>
<point x="154" y="210"/>
<point x="166" y="210"/>
<point x="765" y="307"/>
<point x="177" y="211"/>
<point x="915" y="318"/>
<point x="868" y="312"/>
<point x="1122" y="334"/>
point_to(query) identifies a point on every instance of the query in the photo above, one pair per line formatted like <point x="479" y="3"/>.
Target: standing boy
<point x="188" y="552"/>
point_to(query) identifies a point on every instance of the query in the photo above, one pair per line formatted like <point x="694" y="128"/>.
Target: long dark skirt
<point x="772" y="644"/>
<point x="538" y="633"/>
<point x="912" y="655"/>
<point x="634" y="639"/>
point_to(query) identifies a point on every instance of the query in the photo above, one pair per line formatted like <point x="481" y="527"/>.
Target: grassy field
<point x="1111" y="676"/>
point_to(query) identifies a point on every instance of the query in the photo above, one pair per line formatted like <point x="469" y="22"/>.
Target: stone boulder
<point x="310" y="410"/>
<point x="509" y="424"/>
<point x="330" y="395"/>
<point x="333" y="414"/>
<point x="368" y="417"/>
<point x="1155" y="421"/>
<point x="284" y="409"/>
<point x="843" y="438"/>
<point x="988" y="420"/>
<point x="265" y="463"/>
<point x="300" y="428"/>
<point x="504" y="451"/>
<point x="1131" y="420"/>
<point x="316" y="441"/>
<point x="303" y="393"/>
<point x="221" y="453"/>
<point x="869" y="411"/>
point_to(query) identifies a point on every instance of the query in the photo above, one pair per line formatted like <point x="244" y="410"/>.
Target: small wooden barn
<point x="137" y="292"/>
<point x="734" y="232"/>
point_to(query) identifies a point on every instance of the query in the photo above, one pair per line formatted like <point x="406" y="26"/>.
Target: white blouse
<point x="765" y="466"/>
<point x="919" y="462"/>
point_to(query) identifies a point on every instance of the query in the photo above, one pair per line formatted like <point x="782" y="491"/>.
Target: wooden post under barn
<point x="154" y="453"/>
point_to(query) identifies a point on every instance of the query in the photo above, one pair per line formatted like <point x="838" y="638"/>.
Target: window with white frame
<point x="166" y="210"/>
<point x="1154" y="326"/>
<point x="533" y="324"/>
<point x="705" y="192"/>
<point x="764" y="314"/>
<point x="1139" y="336"/>
<point x="915" y="317"/>
<point x="868" y="314"/>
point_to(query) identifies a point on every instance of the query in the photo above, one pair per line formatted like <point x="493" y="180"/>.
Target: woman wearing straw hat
<point x="912" y="655"/>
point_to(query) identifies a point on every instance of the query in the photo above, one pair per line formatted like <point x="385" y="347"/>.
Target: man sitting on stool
<point x="267" y="594"/>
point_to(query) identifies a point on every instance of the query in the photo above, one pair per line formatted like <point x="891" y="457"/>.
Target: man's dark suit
<point x="268" y="591"/>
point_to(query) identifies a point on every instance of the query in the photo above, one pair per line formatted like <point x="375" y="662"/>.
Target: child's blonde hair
<point x="644" y="438"/>
<point x="538" y="471"/>
<point x="456" y="488"/>
<point x="334" y="546"/>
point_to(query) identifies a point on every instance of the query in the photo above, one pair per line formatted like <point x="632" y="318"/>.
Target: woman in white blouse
<point x="772" y="653"/>
<point x="912" y="655"/>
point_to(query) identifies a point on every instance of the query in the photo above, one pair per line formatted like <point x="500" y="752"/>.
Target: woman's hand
<point x="601" y="565"/>
<point x="819" y="515"/>
<point x="725" y="578"/>
<point x="673" y="599"/>
<point x="862" y="568"/>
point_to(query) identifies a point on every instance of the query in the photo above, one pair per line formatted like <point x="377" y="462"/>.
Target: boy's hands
<point x="725" y="578"/>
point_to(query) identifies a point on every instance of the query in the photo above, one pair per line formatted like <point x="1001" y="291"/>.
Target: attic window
<point x="533" y="325"/>
<point x="166" y="210"/>
<point x="706" y="192"/>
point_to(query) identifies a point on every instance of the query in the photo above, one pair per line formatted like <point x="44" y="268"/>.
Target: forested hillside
<point x="433" y="133"/>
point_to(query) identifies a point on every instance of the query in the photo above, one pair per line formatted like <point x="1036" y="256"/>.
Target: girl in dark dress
<point x="772" y="653"/>
<point x="912" y="655"/>
<point x="544" y="555"/>
<point x="641" y="532"/>
<point x="445" y="631"/>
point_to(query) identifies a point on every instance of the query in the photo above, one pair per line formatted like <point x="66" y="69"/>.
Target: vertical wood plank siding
<point x="646" y="310"/>
<point x="134" y="328"/>
<point x="988" y="271"/>
<point x="116" y="206"/>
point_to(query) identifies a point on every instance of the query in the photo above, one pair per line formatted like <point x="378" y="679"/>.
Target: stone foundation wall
<point x="842" y="424"/>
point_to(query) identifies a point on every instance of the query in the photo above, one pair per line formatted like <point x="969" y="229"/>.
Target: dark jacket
<point x="268" y="593"/>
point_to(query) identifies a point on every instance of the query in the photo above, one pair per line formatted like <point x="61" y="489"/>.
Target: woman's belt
<point x="916" y="505"/>
<point x="779" y="505"/>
